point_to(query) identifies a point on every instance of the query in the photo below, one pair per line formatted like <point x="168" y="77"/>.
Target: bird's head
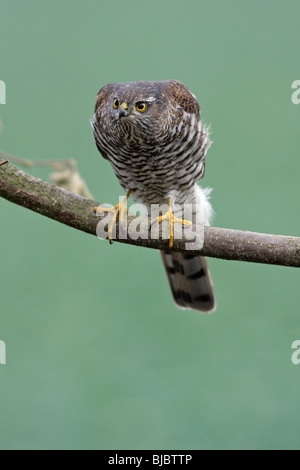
<point x="144" y="111"/>
<point x="135" y="106"/>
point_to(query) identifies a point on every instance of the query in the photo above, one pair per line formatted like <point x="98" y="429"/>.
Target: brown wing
<point x="182" y="95"/>
<point x="100" y="113"/>
<point x="104" y="94"/>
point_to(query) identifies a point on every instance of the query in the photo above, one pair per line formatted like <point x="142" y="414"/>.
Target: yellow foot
<point x="119" y="210"/>
<point x="172" y="219"/>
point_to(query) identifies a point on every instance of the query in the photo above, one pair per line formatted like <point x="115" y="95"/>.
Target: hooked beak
<point x="123" y="110"/>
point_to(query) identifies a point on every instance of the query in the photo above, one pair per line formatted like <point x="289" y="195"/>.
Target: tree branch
<point x="78" y="212"/>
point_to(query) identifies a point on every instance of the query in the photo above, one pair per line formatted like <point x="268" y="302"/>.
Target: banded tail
<point x="190" y="281"/>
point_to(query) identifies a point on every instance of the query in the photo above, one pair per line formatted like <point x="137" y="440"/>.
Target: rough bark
<point x="78" y="212"/>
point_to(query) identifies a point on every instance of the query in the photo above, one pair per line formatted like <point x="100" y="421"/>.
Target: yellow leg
<point x="119" y="210"/>
<point x="172" y="219"/>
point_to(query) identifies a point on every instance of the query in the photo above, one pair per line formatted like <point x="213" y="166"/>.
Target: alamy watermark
<point x="2" y="92"/>
<point x="2" y="352"/>
<point x="139" y="228"/>
<point x="296" y="94"/>
<point x="296" y="354"/>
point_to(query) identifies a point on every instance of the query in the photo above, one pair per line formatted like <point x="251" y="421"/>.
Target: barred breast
<point x="171" y="161"/>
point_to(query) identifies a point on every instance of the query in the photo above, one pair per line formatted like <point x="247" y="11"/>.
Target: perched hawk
<point x="152" y="134"/>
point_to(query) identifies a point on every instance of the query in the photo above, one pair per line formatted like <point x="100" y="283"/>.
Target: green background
<point x="97" y="354"/>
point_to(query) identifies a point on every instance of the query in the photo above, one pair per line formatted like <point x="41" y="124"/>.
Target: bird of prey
<point x="153" y="136"/>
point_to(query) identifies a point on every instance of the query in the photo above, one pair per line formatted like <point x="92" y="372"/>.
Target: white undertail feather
<point x="203" y="198"/>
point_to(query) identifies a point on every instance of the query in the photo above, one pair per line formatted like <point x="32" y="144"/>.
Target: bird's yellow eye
<point x="116" y="103"/>
<point x="141" y="107"/>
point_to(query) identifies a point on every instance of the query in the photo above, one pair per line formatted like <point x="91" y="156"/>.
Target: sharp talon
<point x="172" y="219"/>
<point x="119" y="210"/>
<point x="187" y="223"/>
<point x="99" y="209"/>
<point x="153" y="223"/>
